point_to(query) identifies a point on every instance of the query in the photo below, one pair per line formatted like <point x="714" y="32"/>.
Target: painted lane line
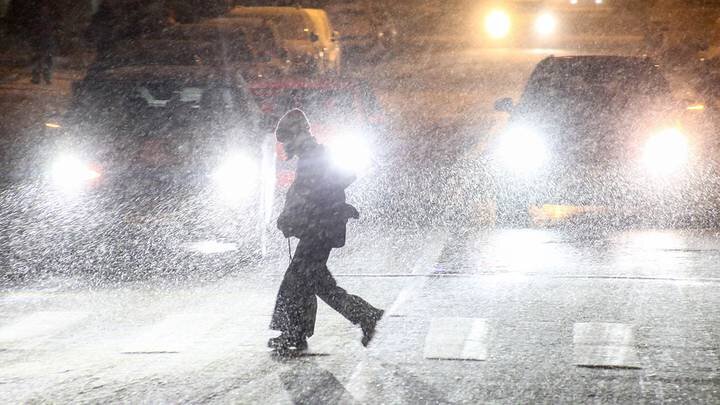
<point x="39" y="325"/>
<point x="427" y="257"/>
<point x="423" y="267"/>
<point x="601" y="344"/>
<point x="457" y="339"/>
<point x="602" y="333"/>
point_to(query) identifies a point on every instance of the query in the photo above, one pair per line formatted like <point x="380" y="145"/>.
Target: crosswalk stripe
<point x="457" y="339"/>
<point x="175" y="333"/>
<point x="39" y="324"/>
<point x="598" y="344"/>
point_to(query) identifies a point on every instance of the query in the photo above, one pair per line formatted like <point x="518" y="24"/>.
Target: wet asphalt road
<point x="479" y="314"/>
<point x="539" y="315"/>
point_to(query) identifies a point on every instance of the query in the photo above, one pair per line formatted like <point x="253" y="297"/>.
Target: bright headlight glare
<point x="666" y="152"/>
<point x="497" y="24"/>
<point x="350" y="153"/>
<point x="69" y="172"/>
<point x="545" y="24"/>
<point x="522" y="149"/>
<point x="236" y="177"/>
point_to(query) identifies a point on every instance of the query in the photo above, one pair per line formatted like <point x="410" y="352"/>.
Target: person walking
<point x="37" y="21"/>
<point x="316" y="213"/>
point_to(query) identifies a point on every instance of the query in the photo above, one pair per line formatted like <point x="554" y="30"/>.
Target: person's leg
<point x="296" y="305"/>
<point x="353" y="308"/>
<point x="36" y="65"/>
<point x="47" y="66"/>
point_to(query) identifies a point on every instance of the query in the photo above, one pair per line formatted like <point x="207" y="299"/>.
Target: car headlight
<point x="236" y="178"/>
<point x="350" y="153"/>
<point x="522" y="149"/>
<point x="666" y="152"/>
<point x="545" y="24"/>
<point x="497" y="24"/>
<point x="69" y="173"/>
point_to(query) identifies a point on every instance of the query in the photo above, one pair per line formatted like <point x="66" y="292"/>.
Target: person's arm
<point x="299" y="203"/>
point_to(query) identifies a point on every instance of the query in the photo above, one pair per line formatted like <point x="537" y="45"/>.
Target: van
<point x="304" y="31"/>
<point x="368" y="32"/>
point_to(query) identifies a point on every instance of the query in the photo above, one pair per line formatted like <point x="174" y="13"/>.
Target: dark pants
<point x="307" y="277"/>
<point x="42" y="61"/>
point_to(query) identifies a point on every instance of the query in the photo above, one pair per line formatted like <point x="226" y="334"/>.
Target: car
<point x="540" y="23"/>
<point x="152" y="162"/>
<point x="344" y="115"/>
<point x="367" y="29"/>
<point x="305" y="33"/>
<point x="601" y="133"/>
<point x="251" y="46"/>
<point x="211" y="43"/>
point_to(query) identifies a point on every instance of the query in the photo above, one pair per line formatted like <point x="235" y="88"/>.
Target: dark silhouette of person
<point x="37" y="21"/>
<point x="42" y="39"/>
<point x="316" y="213"/>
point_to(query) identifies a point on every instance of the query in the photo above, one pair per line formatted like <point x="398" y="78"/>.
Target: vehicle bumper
<point x="113" y="233"/>
<point x="628" y="191"/>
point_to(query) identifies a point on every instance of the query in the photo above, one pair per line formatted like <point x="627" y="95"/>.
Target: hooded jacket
<point x="315" y="205"/>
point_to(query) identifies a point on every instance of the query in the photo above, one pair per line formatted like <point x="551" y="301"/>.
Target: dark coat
<point x="315" y="207"/>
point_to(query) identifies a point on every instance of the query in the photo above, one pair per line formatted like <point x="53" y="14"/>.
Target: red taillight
<point x="280" y="151"/>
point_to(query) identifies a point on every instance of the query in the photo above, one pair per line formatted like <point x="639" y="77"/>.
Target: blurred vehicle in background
<point x="215" y="42"/>
<point x="173" y="52"/>
<point x="367" y="29"/>
<point x="344" y="115"/>
<point x="602" y="133"/>
<point x="306" y="33"/>
<point x="150" y="159"/>
<point x="533" y="23"/>
<point x="254" y="46"/>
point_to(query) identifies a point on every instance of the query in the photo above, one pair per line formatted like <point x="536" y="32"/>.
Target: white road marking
<point x="457" y="339"/>
<point x="598" y="344"/>
<point x="428" y="255"/>
<point x="424" y="265"/>
<point x="39" y="324"/>
<point x="600" y="333"/>
<point x="175" y="333"/>
<point x="209" y="247"/>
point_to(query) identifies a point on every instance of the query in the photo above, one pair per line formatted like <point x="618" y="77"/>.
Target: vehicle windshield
<point x="203" y="50"/>
<point x="291" y="26"/>
<point x="595" y="86"/>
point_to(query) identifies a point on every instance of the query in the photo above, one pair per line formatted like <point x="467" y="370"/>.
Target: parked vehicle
<point x="305" y="32"/>
<point x="254" y="47"/>
<point x="367" y="30"/>
<point x="252" y="51"/>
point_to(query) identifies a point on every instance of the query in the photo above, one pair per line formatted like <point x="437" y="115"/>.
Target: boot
<point x="286" y="342"/>
<point x="368" y="327"/>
